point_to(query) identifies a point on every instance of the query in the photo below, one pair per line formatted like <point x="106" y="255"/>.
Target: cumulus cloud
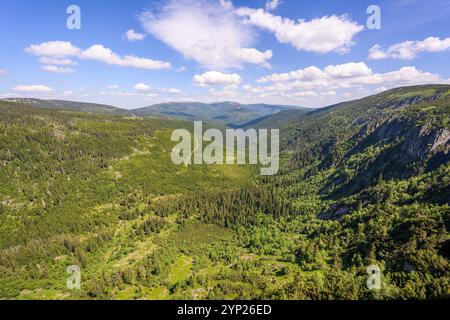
<point x="305" y="94"/>
<point x="322" y="35"/>
<point x="410" y="75"/>
<point x="348" y="70"/>
<point x="252" y="89"/>
<point x="227" y="92"/>
<point x="56" y="69"/>
<point x="170" y="91"/>
<point x="340" y="77"/>
<point x="331" y="93"/>
<point x="100" y="53"/>
<point x="56" y="62"/>
<point x="212" y="78"/>
<point x="53" y="49"/>
<point x="133" y="36"/>
<point x="33" y="88"/>
<point x="54" y="53"/>
<point x="318" y="87"/>
<point x="227" y="4"/>
<point x="206" y="32"/>
<point x="142" y="87"/>
<point x="409" y="50"/>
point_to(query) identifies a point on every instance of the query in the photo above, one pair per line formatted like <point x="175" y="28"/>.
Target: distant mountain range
<point x="68" y="105"/>
<point x="229" y="113"/>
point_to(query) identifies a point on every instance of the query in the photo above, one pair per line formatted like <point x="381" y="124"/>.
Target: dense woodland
<point x="363" y="183"/>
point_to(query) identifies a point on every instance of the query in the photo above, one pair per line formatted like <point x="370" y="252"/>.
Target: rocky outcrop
<point x="417" y="143"/>
<point x="422" y="143"/>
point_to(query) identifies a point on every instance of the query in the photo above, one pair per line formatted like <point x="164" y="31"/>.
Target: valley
<point x="362" y="183"/>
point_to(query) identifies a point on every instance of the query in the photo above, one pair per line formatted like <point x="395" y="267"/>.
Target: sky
<point x="310" y="53"/>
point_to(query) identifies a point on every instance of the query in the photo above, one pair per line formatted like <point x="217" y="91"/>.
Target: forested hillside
<point x="228" y="113"/>
<point x="396" y="135"/>
<point x="68" y="105"/>
<point x="364" y="183"/>
<point x="225" y="113"/>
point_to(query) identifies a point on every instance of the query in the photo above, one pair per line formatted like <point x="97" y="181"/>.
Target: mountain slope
<point x="229" y="113"/>
<point x="396" y="134"/>
<point x="68" y="105"/>
<point x="100" y="192"/>
<point x="277" y="120"/>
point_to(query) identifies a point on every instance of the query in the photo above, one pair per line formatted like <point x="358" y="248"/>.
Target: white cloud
<point x="252" y="89"/>
<point x="217" y="78"/>
<point x="409" y="50"/>
<point x="33" y="88"/>
<point x="57" y="53"/>
<point x="272" y="4"/>
<point x="106" y="55"/>
<point x="321" y="86"/>
<point x="148" y="90"/>
<point x="305" y="94"/>
<point x="53" y="49"/>
<point x="113" y="87"/>
<point x="376" y="53"/>
<point x="170" y="91"/>
<point x="323" y="35"/>
<point x="348" y="70"/>
<point x="410" y="75"/>
<point x="208" y="33"/>
<point x="311" y="74"/>
<point x="345" y="76"/>
<point x="142" y="87"/>
<point x="2" y="72"/>
<point x="227" y="4"/>
<point x="331" y="93"/>
<point x="56" y="69"/>
<point x="228" y="92"/>
<point x="132" y="35"/>
<point x="56" y="62"/>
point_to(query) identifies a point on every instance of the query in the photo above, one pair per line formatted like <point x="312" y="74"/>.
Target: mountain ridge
<point x="229" y="113"/>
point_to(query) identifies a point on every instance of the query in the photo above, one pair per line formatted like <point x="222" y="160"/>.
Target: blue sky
<point x="137" y="53"/>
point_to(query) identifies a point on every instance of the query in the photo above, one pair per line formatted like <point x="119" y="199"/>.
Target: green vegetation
<point x="364" y="183"/>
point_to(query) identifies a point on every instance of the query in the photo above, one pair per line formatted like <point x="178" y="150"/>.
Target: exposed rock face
<point x="423" y="143"/>
<point x="407" y="149"/>
<point x="418" y="143"/>
<point x="389" y="130"/>
<point x="442" y="139"/>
